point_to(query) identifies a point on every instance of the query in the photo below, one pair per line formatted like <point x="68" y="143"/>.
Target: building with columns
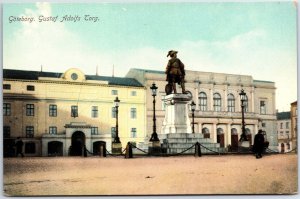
<point x="218" y="111"/>
<point x="60" y="113"/>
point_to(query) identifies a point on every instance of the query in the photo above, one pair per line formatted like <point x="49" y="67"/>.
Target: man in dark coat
<point x="259" y="144"/>
<point x="175" y="71"/>
<point x="19" y="146"/>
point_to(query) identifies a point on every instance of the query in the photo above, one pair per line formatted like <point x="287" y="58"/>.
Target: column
<point x="252" y="100"/>
<point x="200" y="127"/>
<point x="214" y="133"/>
<point x="225" y="98"/>
<point x="228" y="135"/>
<point x="196" y="99"/>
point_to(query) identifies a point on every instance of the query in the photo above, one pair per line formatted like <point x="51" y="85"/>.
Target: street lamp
<point x="116" y="103"/>
<point x="243" y="99"/>
<point x="154" y="134"/>
<point x="193" y="107"/>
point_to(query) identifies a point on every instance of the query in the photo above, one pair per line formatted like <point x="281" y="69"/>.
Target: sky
<point x="244" y="38"/>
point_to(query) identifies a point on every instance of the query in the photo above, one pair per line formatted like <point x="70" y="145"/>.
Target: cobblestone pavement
<point x="227" y="174"/>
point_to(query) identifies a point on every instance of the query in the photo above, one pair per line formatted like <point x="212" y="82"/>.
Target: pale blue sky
<point x="257" y="39"/>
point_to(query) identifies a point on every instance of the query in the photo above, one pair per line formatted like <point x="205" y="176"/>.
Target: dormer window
<point x="6" y="86"/>
<point x="30" y="88"/>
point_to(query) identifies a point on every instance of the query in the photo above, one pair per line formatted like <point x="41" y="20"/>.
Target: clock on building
<point x="74" y="76"/>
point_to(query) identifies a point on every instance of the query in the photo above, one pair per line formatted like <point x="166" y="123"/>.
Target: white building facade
<point x="218" y="106"/>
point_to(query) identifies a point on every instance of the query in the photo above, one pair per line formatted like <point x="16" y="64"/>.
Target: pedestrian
<point x="259" y="144"/>
<point x="19" y="146"/>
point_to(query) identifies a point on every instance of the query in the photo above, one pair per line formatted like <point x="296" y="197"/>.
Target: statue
<point x="175" y="73"/>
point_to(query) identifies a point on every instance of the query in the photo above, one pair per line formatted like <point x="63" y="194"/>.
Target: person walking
<point x="19" y="146"/>
<point x="259" y="144"/>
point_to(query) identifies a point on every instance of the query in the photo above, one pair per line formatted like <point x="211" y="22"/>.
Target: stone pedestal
<point x="154" y="148"/>
<point x="244" y="146"/>
<point x="116" y="148"/>
<point x="177" y="117"/>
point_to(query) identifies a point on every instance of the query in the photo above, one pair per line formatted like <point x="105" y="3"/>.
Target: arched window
<point x="217" y="102"/>
<point x="205" y="132"/>
<point x="202" y="101"/>
<point x="230" y="103"/>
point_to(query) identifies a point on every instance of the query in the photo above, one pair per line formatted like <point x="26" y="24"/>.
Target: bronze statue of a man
<point x="175" y="73"/>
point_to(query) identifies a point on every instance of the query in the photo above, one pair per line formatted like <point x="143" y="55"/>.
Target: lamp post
<point x="243" y="99"/>
<point x="154" y="134"/>
<point x="193" y="107"/>
<point x="116" y="103"/>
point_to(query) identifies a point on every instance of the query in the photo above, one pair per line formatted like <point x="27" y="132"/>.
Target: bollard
<point x="197" y="150"/>
<point x="102" y="151"/>
<point x="128" y="151"/>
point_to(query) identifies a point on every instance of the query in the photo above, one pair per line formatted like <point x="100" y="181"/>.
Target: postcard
<point x="150" y="98"/>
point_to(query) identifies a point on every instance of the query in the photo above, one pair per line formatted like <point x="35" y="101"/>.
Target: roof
<point x="149" y="71"/>
<point x="34" y="75"/>
<point x="283" y="115"/>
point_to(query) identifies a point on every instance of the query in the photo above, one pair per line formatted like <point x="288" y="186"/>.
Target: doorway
<point x="234" y="140"/>
<point x="77" y="145"/>
<point x="220" y="137"/>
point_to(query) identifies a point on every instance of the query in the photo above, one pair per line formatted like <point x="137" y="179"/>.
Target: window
<point x="133" y="93"/>
<point x="113" y="112"/>
<point x="29" y="109"/>
<point x="133" y="132"/>
<point x="133" y="113"/>
<point x="29" y="131"/>
<point x="231" y="103"/>
<point x="30" y="88"/>
<point x="53" y="130"/>
<point x="113" y="132"/>
<point x="287" y="132"/>
<point x="52" y="110"/>
<point x="74" y="111"/>
<point x="114" y="92"/>
<point x="217" y="102"/>
<point x="94" y="111"/>
<point x="263" y="107"/>
<point x="6" y="131"/>
<point x="203" y="101"/>
<point x="263" y="124"/>
<point x="6" y="86"/>
<point x="6" y="109"/>
<point x="287" y="125"/>
<point x="94" y="130"/>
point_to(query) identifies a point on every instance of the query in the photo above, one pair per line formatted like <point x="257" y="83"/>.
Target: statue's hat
<point x="171" y="52"/>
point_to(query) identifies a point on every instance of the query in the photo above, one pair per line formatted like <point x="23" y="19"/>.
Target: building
<point x="218" y="111"/>
<point x="60" y="113"/>
<point x="284" y="131"/>
<point x="294" y="128"/>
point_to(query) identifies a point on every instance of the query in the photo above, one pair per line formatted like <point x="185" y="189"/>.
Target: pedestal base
<point x="244" y="146"/>
<point x="177" y="114"/>
<point x="116" y="148"/>
<point x="155" y="148"/>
